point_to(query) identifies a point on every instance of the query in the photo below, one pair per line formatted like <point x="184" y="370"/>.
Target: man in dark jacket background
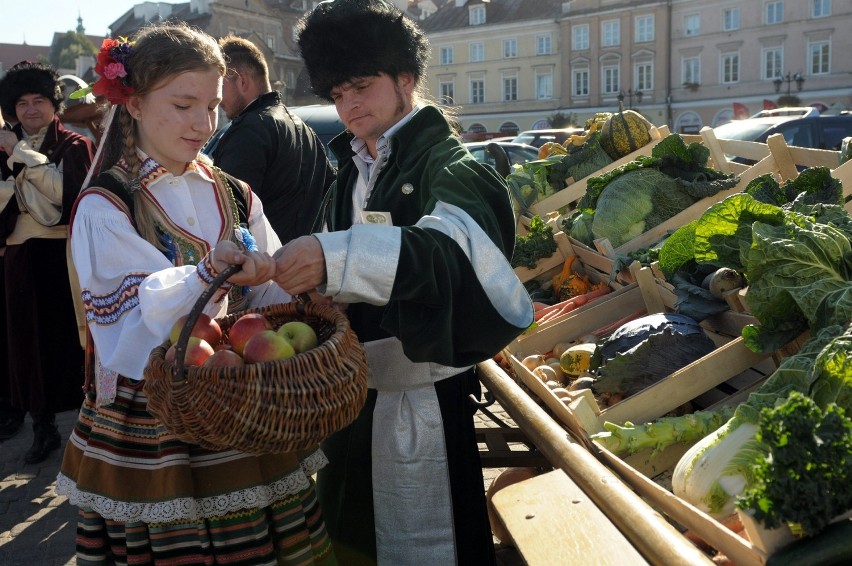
<point x="277" y="154"/>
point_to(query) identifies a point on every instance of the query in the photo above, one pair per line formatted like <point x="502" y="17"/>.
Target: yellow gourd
<point x="551" y="148"/>
<point x="577" y="359"/>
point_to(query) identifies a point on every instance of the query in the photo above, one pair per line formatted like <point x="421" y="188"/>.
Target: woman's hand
<point x="300" y="265"/>
<point x="257" y="267"/>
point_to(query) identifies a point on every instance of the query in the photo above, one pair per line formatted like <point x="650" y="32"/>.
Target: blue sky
<point x="37" y="20"/>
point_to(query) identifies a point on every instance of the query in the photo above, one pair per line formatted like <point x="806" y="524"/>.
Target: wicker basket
<point x="271" y="407"/>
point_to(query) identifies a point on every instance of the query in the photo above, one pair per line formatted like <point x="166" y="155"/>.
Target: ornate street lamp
<point x="630" y="95"/>
<point x="789" y="79"/>
<point x="789" y="99"/>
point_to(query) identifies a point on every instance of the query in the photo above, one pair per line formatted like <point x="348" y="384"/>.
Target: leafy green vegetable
<point x="643" y="193"/>
<point x="767" y="190"/>
<point x="580" y="227"/>
<point x="581" y="161"/>
<point x="720" y="236"/>
<point x="806" y="479"/>
<point x="796" y="258"/>
<point x="529" y="182"/>
<point x="719" y="467"/>
<point x="533" y="246"/>
<point x="663" y="432"/>
<point x="636" y="202"/>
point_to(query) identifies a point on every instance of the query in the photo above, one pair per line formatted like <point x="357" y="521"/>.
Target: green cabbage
<point x="635" y="197"/>
<point x="635" y="202"/>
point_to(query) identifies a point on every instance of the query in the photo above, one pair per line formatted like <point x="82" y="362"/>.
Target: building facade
<point x="685" y="63"/>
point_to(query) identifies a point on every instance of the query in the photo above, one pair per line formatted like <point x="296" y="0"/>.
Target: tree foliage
<point x="66" y="49"/>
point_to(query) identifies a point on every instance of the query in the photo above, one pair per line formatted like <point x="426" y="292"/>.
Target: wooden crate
<point x="568" y="196"/>
<point x="547" y="265"/>
<point x="775" y="158"/>
<point x="730" y="366"/>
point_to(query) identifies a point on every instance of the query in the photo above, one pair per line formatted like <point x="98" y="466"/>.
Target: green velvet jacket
<point x="438" y="307"/>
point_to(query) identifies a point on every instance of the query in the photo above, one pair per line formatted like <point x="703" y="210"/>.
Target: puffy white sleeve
<point x="131" y="293"/>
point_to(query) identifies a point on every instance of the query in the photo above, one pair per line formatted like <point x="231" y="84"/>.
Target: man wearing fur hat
<point x="412" y="240"/>
<point x="43" y="165"/>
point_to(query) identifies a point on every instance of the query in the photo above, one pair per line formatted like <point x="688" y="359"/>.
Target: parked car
<point x="808" y="130"/>
<point x="517" y="153"/>
<point x="538" y="138"/>
<point x="323" y="119"/>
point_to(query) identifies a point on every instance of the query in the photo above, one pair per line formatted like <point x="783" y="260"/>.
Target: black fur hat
<point x="344" y="39"/>
<point x="27" y="77"/>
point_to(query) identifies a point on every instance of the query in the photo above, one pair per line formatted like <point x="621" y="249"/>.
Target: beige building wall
<point x="481" y="86"/>
<point x="734" y="48"/>
<point x="621" y="49"/>
<point x="806" y="37"/>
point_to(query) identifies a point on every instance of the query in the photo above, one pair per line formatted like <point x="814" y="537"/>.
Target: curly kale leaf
<point x="538" y="243"/>
<point x="807" y="479"/>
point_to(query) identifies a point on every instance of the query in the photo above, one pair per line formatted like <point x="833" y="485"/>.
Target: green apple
<point x="267" y="346"/>
<point x="300" y="335"/>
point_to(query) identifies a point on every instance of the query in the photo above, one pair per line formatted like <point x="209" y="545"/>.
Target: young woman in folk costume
<point x="150" y="231"/>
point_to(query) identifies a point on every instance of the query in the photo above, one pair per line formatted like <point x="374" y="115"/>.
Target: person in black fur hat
<point x="414" y="240"/>
<point x="43" y="165"/>
<point x="29" y="77"/>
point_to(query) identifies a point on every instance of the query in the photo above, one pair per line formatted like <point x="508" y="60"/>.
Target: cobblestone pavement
<point x="37" y="526"/>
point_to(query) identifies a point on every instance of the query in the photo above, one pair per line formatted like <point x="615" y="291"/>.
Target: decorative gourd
<point x="577" y="359"/>
<point x="625" y="132"/>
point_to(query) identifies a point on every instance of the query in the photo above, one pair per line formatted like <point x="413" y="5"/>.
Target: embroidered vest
<point x="176" y="246"/>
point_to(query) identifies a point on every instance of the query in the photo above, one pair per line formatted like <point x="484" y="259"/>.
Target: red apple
<point x="224" y="359"/>
<point x="267" y="346"/>
<point x="197" y="351"/>
<point x="300" y="335"/>
<point x="205" y="328"/>
<point x="244" y="328"/>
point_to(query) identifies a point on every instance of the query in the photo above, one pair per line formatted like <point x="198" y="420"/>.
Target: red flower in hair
<point x="114" y="81"/>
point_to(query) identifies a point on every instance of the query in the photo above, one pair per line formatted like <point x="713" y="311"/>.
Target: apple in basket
<point x="205" y="328"/>
<point x="267" y="346"/>
<point x="300" y="335"/>
<point x="224" y="358"/>
<point x="244" y="328"/>
<point x="197" y="351"/>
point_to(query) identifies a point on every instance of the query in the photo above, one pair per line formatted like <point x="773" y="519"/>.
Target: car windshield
<point x="738" y="130"/>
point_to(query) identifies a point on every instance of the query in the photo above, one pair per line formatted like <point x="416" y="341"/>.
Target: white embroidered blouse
<point x="132" y="293"/>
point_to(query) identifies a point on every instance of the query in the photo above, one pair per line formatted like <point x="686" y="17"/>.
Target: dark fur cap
<point x="27" y="77"/>
<point x="345" y="39"/>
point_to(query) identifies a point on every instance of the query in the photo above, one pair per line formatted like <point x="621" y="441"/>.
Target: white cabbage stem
<point x="717" y="469"/>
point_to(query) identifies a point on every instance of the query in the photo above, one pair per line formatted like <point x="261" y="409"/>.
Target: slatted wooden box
<point x="730" y="367"/>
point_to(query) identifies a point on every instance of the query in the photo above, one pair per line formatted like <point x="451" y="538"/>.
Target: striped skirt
<point x="146" y="497"/>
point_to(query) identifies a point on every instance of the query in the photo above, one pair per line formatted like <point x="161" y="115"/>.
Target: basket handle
<point x="193" y="316"/>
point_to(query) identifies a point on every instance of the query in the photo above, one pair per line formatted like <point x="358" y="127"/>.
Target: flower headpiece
<point x="114" y="81"/>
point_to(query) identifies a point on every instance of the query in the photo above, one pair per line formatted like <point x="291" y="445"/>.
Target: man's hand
<point x="300" y="265"/>
<point x="257" y="267"/>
